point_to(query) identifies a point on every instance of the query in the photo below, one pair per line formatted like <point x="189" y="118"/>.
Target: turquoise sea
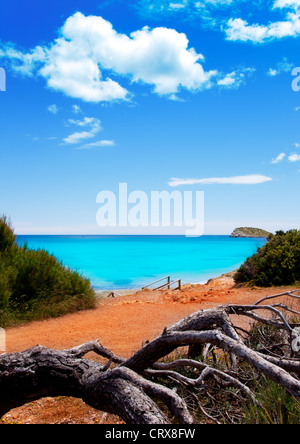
<point x="123" y="262"/>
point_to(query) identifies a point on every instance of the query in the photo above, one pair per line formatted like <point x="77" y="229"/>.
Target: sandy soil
<point x="121" y="324"/>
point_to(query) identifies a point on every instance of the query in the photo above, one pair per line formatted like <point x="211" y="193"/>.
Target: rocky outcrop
<point x="249" y="232"/>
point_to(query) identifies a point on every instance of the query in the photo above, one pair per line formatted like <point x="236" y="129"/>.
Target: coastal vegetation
<point x="35" y="285"/>
<point x="276" y="263"/>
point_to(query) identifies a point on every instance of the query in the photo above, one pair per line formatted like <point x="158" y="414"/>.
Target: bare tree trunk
<point x="41" y="372"/>
<point x="128" y="390"/>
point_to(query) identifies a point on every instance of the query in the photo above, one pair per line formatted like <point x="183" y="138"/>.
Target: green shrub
<point x="7" y="236"/>
<point x="35" y="285"/>
<point x="276" y="263"/>
<point x="276" y="405"/>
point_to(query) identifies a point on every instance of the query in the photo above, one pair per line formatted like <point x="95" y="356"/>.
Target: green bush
<point x="35" y="285"/>
<point x="275" y="405"/>
<point x="276" y="263"/>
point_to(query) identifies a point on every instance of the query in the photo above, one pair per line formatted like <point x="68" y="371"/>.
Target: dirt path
<point x="121" y="324"/>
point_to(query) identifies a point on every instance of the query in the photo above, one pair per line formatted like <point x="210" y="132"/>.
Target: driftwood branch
<point x="130" y="388"/>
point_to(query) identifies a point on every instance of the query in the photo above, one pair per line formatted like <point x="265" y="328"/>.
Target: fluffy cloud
<point x="294" y="158"/>
<point x="294" y="4"/>
<point x="89" y="51"/>
<point x="240" y="30"/>
<point x="252" y="179"/>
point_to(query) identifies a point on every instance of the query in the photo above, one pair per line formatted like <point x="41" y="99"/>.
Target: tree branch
<point x="127" y="390"/>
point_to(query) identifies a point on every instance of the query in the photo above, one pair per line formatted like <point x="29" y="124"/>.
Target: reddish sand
<point x="121" y="324"/>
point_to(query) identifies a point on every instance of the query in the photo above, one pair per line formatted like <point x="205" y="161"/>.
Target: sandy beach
<point x="121" y="324"/>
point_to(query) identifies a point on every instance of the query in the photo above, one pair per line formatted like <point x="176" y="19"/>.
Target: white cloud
<point x="240" y="30"/>
<point x="76" y="109"/>
<point x="53" y="109"/>
<point x="177" y="5"/>
<point x="272" y="72"/>
<point x="191" y="7"/>
<point x="228" y="80"/>
<point x="252" y="179"/>
<point x="235" y="78"/>
<point x="294" y="4"/>
<point x="216" y="2"/>
<point x="281" y="67"/>
<point x="175" y="98"/>
<point x="294" y="158"/>
<point x="89" y="50"/>
<point x="99" y="143"/>
<point x="93" y="124"/>
<point x="21" y="63"/>
<point x="78" y="137"/>
<point x="279" y="158"/>
<point x="212" y="12"/>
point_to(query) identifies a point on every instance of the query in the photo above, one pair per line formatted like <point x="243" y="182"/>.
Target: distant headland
<point x="250" y="232"/>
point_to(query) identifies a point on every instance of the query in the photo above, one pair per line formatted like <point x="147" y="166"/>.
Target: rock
<point x="250" y="232"/>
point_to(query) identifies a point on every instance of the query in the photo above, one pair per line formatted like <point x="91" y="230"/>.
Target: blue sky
<point x="182" y="95"/>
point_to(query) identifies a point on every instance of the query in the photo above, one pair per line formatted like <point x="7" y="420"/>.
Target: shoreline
<point x="117" y="292"/>
<point x="130" y="291"/>
<point x="193" y="261"/>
